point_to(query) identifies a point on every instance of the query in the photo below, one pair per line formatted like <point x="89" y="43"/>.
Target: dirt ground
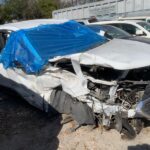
<point x="23" y="127"/>
<point x="84" y="139"/>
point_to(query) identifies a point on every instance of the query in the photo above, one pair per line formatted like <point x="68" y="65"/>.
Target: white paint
<point x="30" y="24"/>
<point x="118" y="54"/>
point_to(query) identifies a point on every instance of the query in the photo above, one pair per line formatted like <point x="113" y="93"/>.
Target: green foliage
<point x="46" y="7"/>
<point x="26" y="9"/>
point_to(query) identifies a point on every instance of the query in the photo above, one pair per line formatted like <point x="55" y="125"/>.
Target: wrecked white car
<point x="59" y="65"/>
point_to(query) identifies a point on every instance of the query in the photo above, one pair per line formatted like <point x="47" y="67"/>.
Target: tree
<point x="46" y="7"/>
<point x="26" y="9"/>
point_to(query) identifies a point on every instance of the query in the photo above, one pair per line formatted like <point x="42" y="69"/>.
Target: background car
<point x="133" y="27"/>
<point x="114" y="32"/>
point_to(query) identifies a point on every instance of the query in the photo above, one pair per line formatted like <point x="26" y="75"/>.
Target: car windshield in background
<point x="148" y="20"/>
<point x="111" y="31"/>
<point x="145" y="25"/>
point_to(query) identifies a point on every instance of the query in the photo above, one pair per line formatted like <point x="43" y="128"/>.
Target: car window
<point x="2" y="42"/>
<point x="116" y="32"/>
<point x="131" y="29"/>
<point x="145" y="25"/>
<point x="116" y="25"/>
<point x="112" y="31"/>
<point x="3" y="38"/>
<point x="148" y="20"/>
<point x="95" y="28"/>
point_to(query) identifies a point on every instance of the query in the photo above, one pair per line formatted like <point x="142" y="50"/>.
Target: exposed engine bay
<point x="114" y="96"/>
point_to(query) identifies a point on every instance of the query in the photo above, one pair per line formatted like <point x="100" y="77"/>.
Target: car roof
<point x="134" y="18"/>
<point x="118" y="21"/>
<point x="30" y="24"/>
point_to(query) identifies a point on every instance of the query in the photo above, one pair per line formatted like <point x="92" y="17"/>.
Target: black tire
<point x="127" y="130"/>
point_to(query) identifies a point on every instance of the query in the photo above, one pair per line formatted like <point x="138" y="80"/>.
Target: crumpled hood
<point x="119" y="54"/>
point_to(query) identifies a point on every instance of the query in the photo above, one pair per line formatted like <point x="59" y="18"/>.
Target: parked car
<point x="111" y="32"/>
<point x="62" y="66"/>
<point x="87" y="21"/>
<point x="133" y="27"/>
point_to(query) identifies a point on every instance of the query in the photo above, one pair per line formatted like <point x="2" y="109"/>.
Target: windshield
<point x="148" y="20"/>
<point x="145" y="25"/>
<point x="114" y="32"/>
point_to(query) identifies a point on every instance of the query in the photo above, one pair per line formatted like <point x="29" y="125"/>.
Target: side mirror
<point x="139" y="32"/>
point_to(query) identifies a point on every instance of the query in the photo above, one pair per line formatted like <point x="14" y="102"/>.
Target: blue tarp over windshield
<point x="32" y="48"/>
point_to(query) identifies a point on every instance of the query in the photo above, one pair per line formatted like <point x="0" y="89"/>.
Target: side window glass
<point x="3" y="39"/>
<point x="130" y="28"/>
<point x="148" y="20"/>
<point x="115" y="24"/>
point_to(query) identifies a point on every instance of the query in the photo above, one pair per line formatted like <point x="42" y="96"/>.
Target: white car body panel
<point x="117" y="53"/>
<point x="30" y="24"/>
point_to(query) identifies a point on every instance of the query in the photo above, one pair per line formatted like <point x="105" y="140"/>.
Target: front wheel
<point x="127" y="130"/>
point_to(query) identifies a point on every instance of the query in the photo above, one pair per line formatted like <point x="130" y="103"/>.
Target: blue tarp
<point x="32" y="48"/>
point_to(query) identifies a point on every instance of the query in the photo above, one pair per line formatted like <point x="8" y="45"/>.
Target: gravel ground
<point x="84" y="139"/>
<point x="23" y="127"/>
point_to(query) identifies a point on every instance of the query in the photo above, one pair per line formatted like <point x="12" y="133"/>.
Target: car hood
<point x="140" y="39"/>
<point x="118" y="54"/>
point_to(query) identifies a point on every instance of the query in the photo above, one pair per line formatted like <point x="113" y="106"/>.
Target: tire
<point x="127" y="130"/>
